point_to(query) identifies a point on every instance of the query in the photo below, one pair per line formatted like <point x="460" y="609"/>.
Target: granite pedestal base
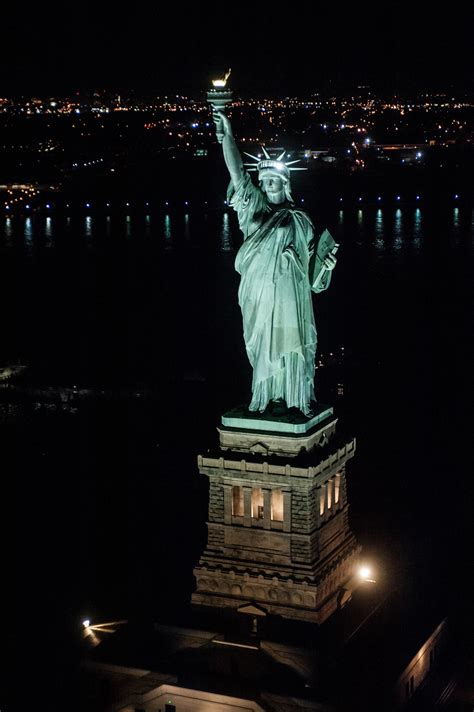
<point x="278" y="531"/>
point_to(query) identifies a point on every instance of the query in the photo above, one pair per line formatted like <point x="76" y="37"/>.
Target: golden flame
<point x="219" y="83"/>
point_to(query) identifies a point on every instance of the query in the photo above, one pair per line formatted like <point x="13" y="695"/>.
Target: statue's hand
<point x="223" y="126"/>
<point x="330" y="262"/>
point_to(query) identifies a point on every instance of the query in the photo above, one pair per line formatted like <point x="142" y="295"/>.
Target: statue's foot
<point x="278" y="407"/>
<point x="310" y="412"/>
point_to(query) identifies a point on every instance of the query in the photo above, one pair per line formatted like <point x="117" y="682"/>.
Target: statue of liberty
<point x="279" y="264"/>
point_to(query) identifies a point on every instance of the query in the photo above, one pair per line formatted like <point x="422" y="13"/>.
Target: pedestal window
<point x="257" y="503"/>
<point x="322" y="497"/>
<point x="237" y="502"/>
<point x="329" y="493"/>
<point x="277" y="505"/>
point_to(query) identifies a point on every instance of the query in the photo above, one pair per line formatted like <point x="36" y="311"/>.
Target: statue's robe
<point x="275" y="297"/>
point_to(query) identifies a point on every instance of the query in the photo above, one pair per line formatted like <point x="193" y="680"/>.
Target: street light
<point x="365" y="574"/>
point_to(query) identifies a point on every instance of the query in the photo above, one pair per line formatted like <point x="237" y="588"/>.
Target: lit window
<point x="337" y="488"/>
<point x="237" y="502"/>
<point x="277" y="505"/>
<point x="322" y="495"/>
<point x="329" y="486"/>
<point x="257" y="503"/>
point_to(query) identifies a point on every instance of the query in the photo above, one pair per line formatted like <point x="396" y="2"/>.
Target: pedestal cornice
<point x="243" y="468"/>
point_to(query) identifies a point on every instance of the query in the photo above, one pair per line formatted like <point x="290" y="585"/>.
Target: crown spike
<point x="269" y="163"/>
<point x="250" y="156"/>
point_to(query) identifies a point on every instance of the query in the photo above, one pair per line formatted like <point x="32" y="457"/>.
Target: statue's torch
<point x="218" y="97"/>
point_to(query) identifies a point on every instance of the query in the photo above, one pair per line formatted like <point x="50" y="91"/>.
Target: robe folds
<point x="275" y="297"/>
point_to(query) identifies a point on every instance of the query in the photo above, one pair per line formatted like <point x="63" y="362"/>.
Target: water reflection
<point x="226" y="242"/>
<point x="88" y="228"/>
<point x="8" y="230"/>
<point x="48" y="232"/>
<point x="28" y="234"/>
<point x="417" y="229"/>
<point x="397" y="231"/>
<point x="387" y="230"/>
<point x="456" y="218"/>
<point x="168" y="238"/>
<point x="360" y="227"/>
<point x="379" y="230"/>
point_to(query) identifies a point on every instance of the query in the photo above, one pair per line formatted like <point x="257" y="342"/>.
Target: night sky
<point x="166" y="47"/>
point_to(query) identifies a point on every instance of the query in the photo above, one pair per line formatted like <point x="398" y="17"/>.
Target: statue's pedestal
<point x="278" y="530"/>
<point x="242" y="431"/>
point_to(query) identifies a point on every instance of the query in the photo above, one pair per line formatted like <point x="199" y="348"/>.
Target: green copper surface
<point x="277" y="272"/>
<point x="292" y="421"/>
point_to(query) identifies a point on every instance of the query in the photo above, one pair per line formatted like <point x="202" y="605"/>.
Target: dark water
<point x="109" y="513"/>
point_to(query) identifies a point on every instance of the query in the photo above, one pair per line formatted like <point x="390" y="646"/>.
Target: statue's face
<point x="274" y="188"/>
<point x="272" y="184"/>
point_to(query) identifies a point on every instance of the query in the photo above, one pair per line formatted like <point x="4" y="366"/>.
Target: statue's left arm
<point x="320" y="266"/>
<point x="329" y="263"/>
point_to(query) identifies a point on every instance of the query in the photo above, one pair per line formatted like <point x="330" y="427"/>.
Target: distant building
<point x="172" y="668"/>
<point x="421" y="664"/>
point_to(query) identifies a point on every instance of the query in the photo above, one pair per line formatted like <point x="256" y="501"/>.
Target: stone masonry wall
<point x="301" y="510"/>
<point x="215" y="536"/>
<point x="304" y="548"/>
<point x="216" y="500"/>
<point x="313" y="504"/>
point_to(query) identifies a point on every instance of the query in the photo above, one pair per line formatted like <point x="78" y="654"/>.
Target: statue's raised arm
<point x="232" y="156"/>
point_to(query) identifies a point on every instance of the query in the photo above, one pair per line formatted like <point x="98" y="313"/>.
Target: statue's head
<point x="274" y="176"/>
<point x="275" y="185"/>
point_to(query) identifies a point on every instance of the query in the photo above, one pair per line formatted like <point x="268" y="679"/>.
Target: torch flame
<point x="221" y="82"/>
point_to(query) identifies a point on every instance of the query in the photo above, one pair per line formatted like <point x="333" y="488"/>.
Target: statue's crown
<point x="272" y="165"/>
